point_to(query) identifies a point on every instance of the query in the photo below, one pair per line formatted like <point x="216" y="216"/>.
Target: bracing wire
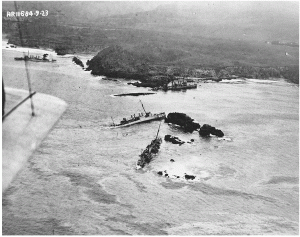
<point x="26" y="62"/>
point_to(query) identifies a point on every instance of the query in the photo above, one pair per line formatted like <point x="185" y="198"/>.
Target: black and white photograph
<point x="150" y="118"/>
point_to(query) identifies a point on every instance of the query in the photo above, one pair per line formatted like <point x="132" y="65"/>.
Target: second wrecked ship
<point x="152" y="149"/>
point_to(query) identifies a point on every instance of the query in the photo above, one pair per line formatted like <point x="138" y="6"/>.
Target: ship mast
<point x="158" y="131"/>
<point x="143" y="107"/>
<point x="113" y="120"/>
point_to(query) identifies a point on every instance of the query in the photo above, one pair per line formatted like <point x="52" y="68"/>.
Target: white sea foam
<point x="61" y="184"/>
<point x="225" y="139"/>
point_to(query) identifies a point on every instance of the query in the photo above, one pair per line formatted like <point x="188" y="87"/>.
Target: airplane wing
<point x="22" y="133"/>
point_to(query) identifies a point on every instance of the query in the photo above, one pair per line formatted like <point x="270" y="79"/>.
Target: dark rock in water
<point x="182" y="120"/>
<point x="172" y="160"/>
<point x="78" y="61"/>
<point x="187" y="177"/>
<point x="166" y="175"/>
<point x="218" y="133"/>
<point x="206" y="130"/>
<point x="160" y="172"/>
<point x="173" y="139"/>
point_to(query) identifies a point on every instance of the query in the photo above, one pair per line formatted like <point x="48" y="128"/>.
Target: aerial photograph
<point x="150" y="118"/>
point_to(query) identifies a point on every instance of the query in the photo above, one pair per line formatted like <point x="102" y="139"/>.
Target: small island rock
<point x="183" y="120"/>
<point x="206" y="130"/>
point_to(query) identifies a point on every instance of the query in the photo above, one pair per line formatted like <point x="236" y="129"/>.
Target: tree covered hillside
<point x="183" y="34"/>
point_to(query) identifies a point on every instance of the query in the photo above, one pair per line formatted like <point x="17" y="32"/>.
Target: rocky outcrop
<point x="62" y="50"/>
<point x="160" y="173"/>
<point x="173" y="139"/>
<point x="78" y="62"/>
<point x="184" y="177"/>
<point x="187" y="177"/>
<point x="116" y="62"/>
<point x="184" y="121"/>
<point x="206" y="130"/>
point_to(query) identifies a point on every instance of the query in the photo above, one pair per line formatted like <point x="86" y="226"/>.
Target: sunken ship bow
<point x="151" y="150"/>
<point x="147" y="155"/>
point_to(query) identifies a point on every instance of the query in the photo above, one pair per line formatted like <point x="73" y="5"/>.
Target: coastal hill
<point x="116" y="62"/>
<point x="180" y="34"/>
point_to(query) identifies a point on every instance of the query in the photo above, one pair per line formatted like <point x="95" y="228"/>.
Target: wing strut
<point x="26" y="62"/>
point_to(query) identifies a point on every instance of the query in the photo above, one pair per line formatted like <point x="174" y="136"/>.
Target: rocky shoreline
<point x="114" y="61"/>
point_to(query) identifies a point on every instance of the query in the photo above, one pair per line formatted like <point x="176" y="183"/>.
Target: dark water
<point x="82" y="179"/>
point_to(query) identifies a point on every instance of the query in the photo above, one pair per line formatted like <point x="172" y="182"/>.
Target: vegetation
<point x="119" y="63"/>
<point x="168" y="38"/>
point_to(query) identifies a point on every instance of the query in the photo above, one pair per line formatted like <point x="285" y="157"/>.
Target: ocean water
<point x="82" y="179"/>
